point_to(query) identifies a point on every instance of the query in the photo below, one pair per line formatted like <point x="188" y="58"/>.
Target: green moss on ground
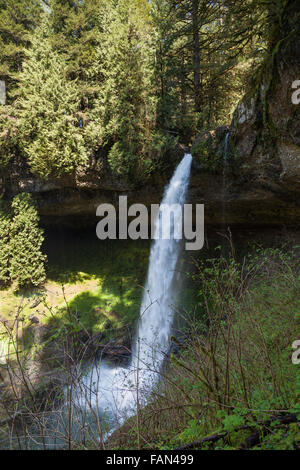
<point x="100" y="283"/>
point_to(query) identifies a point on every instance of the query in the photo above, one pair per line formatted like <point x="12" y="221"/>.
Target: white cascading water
<point x="225" y="164"/>
<point x="116" y="390"/>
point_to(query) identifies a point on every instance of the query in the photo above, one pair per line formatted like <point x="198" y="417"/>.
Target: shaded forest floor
<point x="101" y="284"/>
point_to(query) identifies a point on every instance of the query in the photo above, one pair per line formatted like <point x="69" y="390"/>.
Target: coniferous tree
<point x="17" y="19"/>
<point x="76" y="28"/>
<point x="75" y="33"/>
<point x="171" y="102"/>
<point x="8" y="133"/>
<point x="49" y="128"/>
<point x="127" y="100"/>
<point x="27" y="260"/>
<point x="200" y="62"/>
<point x="5" y="228"/>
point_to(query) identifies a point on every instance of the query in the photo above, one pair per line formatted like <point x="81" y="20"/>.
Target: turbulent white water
<point x="116" y="391"/>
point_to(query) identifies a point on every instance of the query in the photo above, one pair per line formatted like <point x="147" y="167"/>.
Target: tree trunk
<point x="183" y="88"/>
<point x="196" y="56"/>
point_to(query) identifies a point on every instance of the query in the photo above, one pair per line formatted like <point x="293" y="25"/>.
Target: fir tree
<point x="5" y="228"/>
<point x="127" y="101"/>
<point x="49" y="126"/>
<point x="75" y="33"/>
<point x="17" y="19"/>
<point x="27" y="260"/>
<point x="76" y="29"/>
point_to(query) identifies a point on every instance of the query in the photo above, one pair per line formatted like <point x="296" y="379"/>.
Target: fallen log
<point x="255" y="438"/>
<point x="250" y="441"/>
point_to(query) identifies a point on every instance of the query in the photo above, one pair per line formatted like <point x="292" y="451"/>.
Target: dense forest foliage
<point x="124" y="80"/>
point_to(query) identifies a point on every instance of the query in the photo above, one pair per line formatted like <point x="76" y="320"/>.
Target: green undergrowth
<point x="234" y="377"/>
<point x="91" y="285"/>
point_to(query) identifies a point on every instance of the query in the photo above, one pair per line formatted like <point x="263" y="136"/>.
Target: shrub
<point x="27" y="259"/>
<point x="5" y="223"/>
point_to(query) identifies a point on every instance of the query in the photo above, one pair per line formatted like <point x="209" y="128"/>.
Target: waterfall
<point x="156" y="314"/>
<point x="116" y="390"/>
<point x="225" y="161"/>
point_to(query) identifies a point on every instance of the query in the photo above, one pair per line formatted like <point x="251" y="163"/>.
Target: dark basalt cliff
<point x="262" y="177"/>
<point x="73" y="199"/>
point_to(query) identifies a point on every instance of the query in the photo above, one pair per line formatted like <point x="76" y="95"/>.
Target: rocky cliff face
<point x="73" y="199"/>
<point x="262" y="179"/>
